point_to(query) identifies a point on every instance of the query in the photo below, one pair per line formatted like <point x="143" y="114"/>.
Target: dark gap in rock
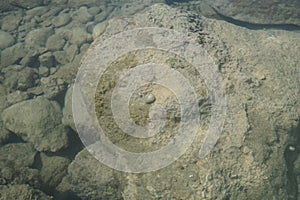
<point x="13" y="138"/>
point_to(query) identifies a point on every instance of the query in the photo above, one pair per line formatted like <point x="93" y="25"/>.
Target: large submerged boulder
<point x="251" y="159"/>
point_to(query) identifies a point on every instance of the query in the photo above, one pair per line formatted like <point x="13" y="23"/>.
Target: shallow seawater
<point x="149" y="99"/>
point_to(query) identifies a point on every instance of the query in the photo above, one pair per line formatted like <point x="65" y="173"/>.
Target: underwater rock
<point x="37" y="121"/>
<point x="16" y="79"/>
<point x="17" y="96"/>
<point x="6" y="40"/>
<point x="55" y="42"/>
<point x="78" y="3"/>
<point x="53" y="87"/>
<point x="47" y="60"/>
<point x="99" y="29"/>
<point x="67" y="110"/>
<point x="250" y="62"/>
<point x="82" y="15"/>
<point x="38" y="37"/>
<point x="89" y="179"/>
<point x="71" y="51"/>
<point x="22" y="192"/>
<point x="54" y="168"/>
<point x="17" y="4"/>
<point x="22" y="154"/>
<point x="12" y="21"/>
<point x="12" y="55"/>
<point x="79" y="36"/>
<point x="61" y="20"/>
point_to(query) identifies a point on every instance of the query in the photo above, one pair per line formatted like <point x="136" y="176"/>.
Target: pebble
<point x="12" y="54"/>
<point x="44" y="71"/>
<point x="82" y="15"/>
<point x="38" y="37"/>
<point x="61" y="57"/>
<point x="150" y="98"/>
<point x="71" y="51"/>
<point x="292" y="148"/>
<point x="79" y="36"/>
<point x="47" y="59"/>
<point x="99" y="29"/>
<point x="6" y="40"/>
<point x="16" y="97"/>
<point x="11" y="22"/>
<point x="55" y="42"/>
<point x="61" y="20"/>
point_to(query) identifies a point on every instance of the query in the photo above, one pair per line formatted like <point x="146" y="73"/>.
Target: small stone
<point x="59" y="2"/>
<point x="78" y="3"/>
<point x="53" y="70"/>
<point x="6" y="40"/>
<point x="292" y="148"/>
<point x="47" y="59"/>
<point x="55" y="42"/>
<point x="82" y="15"/>
<point x="54" y="168"/>
<point x="150" y="98"/>
<point x="67" y="110"/>
<point x="71" y="51"/>
<point x="37" y="11"/>
<point x="17" y="97"/>
<point x="246" y="150"/>
<point x="44" y="71"/>
<point x="11" y="22"/>
<point x="38" y="37"/>
<point x="103" y="15"/>
<point x="94" y="10"/>
<point x="53" y="87"/>
<point x="12" y="55"/>
<point x="79" y="36"/>
<point x="61" y="57"/>
<point x="61" y="20"/>
<point x="30" y="59"/>
<point x="99" y="29"/>
<point x="19" y="80"/>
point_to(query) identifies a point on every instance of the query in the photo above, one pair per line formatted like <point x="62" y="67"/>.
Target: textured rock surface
<point x="18" y="78"/>
<point x="12" y="55"/>
<point x="22" y="192"/>
<point x="54" y="168"/>
<point x="37" y="121"/>
<point x="89" y="179"/>
<point x="38" y="37"/>
<point x="67" y="111"/>
<point x="6" y="40"/>
<point x="257" y="156"/>
<point x="250" y="63"/>
<point x="22" y="154"/>
<point x="15" y="4"/>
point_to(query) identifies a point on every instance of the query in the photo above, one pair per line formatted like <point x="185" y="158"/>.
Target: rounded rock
<point x="150" y="98"/>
